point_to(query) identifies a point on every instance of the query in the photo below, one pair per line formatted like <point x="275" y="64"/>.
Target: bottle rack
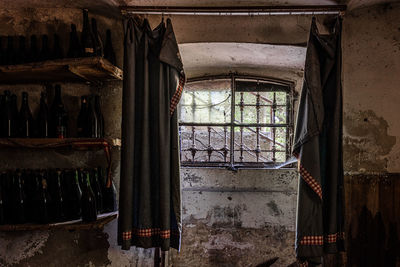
<point x="94" y="70"/>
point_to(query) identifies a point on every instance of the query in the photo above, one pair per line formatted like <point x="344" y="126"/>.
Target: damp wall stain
<point x="366" y="141"/>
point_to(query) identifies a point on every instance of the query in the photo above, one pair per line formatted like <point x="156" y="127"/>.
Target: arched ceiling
<point x="277" y="61"/>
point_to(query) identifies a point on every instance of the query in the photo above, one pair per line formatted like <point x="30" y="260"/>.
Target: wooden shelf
<point x="102" y="220"/>
<point x="49" y="143"/>
<point x="89" y="69"/>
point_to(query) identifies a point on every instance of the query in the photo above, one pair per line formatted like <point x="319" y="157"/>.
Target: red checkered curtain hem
<point x="318" y="148"/>
<point x="150" y="193"/>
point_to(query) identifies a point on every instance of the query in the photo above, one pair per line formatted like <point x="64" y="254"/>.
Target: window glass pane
<point x="206" y="102"/>
<point x="210" y="144"/>
<point x="280" y="115"/>
<point x="281" y="98"/>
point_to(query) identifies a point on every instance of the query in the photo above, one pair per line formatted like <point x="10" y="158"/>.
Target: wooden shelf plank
<point x="74" y="143"/>
<point x="90" y="69"/>
<point x="102" y="220"/>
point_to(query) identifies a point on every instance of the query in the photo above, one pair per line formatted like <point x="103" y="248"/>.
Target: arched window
<point x="251" y="116"/>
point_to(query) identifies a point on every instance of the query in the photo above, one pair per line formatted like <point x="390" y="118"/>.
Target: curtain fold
<point x="318" y="147"/>
<point x="150" y="201"/>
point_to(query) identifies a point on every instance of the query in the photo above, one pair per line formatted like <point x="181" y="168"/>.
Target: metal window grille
<point x="236" y="121"/>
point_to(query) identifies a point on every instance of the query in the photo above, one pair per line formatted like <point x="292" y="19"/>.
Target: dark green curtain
<point x="318" y="147"/>
<point x="150" y="201"/>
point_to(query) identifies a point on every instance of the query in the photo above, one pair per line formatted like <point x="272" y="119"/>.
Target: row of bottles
<point x="54" y="195"/>
<point x="90" y="44"/>
<point x="49" y="123"/>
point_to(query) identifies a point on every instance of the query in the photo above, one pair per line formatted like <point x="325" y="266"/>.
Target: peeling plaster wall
<point x="371" y="64"/>
<point x="241" y="218"/>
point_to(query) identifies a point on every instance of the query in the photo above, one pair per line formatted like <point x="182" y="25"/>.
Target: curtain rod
<point x="235" y="10"/>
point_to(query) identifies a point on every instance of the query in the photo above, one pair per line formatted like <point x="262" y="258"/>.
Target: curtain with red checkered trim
<point x="318" y="148"/>
<point x="150" y="195"/>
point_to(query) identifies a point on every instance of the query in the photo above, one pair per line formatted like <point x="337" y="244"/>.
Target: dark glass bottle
<point x="97" y="190"/>
<point x="83" y="118"/>
<point x="98" y="44"/>
<point x="59" y="125"/>
<point x="8" y="196"/>
<point x="15" y="115"/>
<point x="21" y="55"/>
<point x="75" y="49"/>
<point x="93" y="121"/>
<point x="33" y="55"/>
<point x="44" y="202"/>
<point x="25" y="118"/>
<point x="109" y="53"/>
<point x="28" y="177"/>
<point x="7" y="121"/>
<point x="19" y="211"/>
<point x="100" y="117"/>
<point x="2" y="200"/>
<point x="2" y="52"/>
<point x="89" y="210"/>
<point x="10" y="52"/>
<point x="57" y="50"/>
<point x="45" y="53"/>
<point x="87" y="36"/>
<point x="74" y="196"/>
<point x="43" y="117"/>
<point x="57" y="196"/>
<point x="109" y="191"/>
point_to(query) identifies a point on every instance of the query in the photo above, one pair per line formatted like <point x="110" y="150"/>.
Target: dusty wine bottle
<point x="75" y="49"/>
<point x="44" y="202"/>
<point x="59" y="123"/>
<point x="7" y="120"/>
<point x="98" y="44"/>
<point x="94" y="181"/>
<point x="33" y="51"/>
<point x="58" y="207"/>
<point x="14" y="116"/>
<point x="2" y="52"/>
<point x="74" y="196"/>
<point x="83" y="118"/>
<point x="43" y="117"/>
<point x="2" y="200"/>
<point x="100" y="117"/>
<point x="25" y="118"/>
<point x="19" y="199"/>
<point x="109" y="53"/>
<point x="45" y="53"/>
<point x="93" y="120"/>
<point x="21" y="55"/>
<point x="10" y="52"/>
<point x="87" y="36"/>
<point x="109" y="191"/>
<point x="57" y="50"/>
<point x="89" y="210"/>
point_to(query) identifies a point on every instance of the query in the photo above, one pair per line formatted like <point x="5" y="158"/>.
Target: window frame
<point x="283" y="85"/>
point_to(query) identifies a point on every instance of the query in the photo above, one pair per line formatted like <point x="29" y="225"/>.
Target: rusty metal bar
<point x="258" y="148"/>
<point x="209" y="148"/>
<point x="232" y="154"/>
<point x="193" y="148"/>
<point x="273" y="129"/>
<point x="235" y="10"/>
<point x="241" y="128"/>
